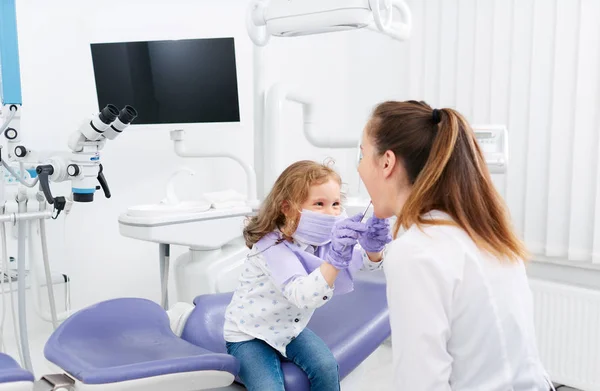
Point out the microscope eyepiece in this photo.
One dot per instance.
(126, 117)
(108, 114)
(107, 123)
(127, 114)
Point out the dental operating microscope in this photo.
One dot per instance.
(82, 166)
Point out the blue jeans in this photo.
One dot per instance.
(260, 364)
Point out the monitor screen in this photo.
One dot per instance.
(175, 81)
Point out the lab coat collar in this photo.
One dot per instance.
(437, 215)
(431, 215)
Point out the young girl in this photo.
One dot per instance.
(301, 245)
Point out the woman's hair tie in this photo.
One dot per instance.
(436, 116)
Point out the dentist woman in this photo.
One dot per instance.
(460, 305)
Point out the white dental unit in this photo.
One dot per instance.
(132, 344)
(27, 168)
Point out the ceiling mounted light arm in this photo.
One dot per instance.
(376, 9)
(285, 18)
(256, 24)
(397, 30)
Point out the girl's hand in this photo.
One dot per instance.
(345, 235)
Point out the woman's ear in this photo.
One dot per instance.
(388, 163)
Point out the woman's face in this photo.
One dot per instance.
(384, 177)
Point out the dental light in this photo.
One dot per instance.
(294, 18)
(291, 18)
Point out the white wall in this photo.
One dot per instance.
(58, 83)
(347, 73)
(532, 65)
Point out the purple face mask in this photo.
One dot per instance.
(315, 228)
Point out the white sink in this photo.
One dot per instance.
(193, 227)
(154, 210)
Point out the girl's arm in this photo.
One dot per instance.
(375, 257)
(312, 291)
(371, 261)
(308, 292)
(329, 272)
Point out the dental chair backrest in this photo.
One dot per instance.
(204, 326)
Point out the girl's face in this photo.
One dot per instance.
(324, 198)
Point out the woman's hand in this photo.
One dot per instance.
(376, 236)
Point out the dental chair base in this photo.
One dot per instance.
(199, 272)
(176, 382)
(17, 386)
(12, 376)
(213, 236)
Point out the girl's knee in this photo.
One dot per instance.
(326, 375)
(326, 365)
(329, 365)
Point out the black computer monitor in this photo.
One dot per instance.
(174, 81)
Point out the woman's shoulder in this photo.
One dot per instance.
(439, 229)
(430, 240)
(446, 244)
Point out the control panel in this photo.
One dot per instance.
(493, 140)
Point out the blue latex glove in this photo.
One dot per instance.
(377, 235)
(344, 237)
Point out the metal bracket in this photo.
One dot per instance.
(56, 382)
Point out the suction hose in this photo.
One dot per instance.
(21, 294)
(10, 287)
(34, 255)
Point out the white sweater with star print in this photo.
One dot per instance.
(263, 310)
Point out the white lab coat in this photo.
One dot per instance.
(461, 319)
